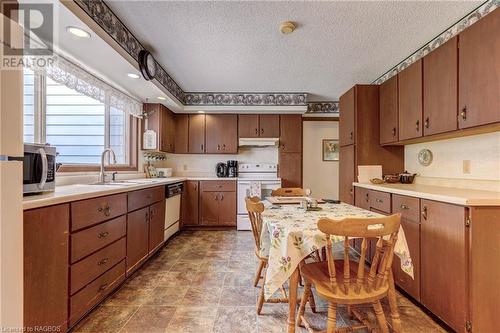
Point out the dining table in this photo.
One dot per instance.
(290, 234)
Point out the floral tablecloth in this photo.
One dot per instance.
(290, 234)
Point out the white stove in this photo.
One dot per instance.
(266, 175)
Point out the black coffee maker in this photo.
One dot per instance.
(221, 169)
(232, 168)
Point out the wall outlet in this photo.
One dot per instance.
(466, 167)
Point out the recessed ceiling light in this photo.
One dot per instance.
(200, 111)
(161, 98)
(78, 32)
(133, 75)
(287, 27)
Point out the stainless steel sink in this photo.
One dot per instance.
(116, 183)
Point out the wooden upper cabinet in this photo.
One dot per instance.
(196, 134)
(221, 135)
(479, 72)
(346, 120)
(410, 101)
(443, 262)
(440, 89)
(168, 130)
(291, 133)
(181, 140)
(160, 120)
(290, 169)
(269, 125)
(389, 128)
(46, 257)
(248, 126)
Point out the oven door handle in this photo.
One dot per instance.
(45, 168)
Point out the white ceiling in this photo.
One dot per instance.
(236, 46)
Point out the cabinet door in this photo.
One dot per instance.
(443, 262)
(410, 222)
(167, 134)
(290, 169)
(181, 140)
(269, 125)
(389, 111)
(346, 174)
(46, 252)
(196, 134)
(410, 101)
(440, 89)
(291, 133)
(221, 134)
(248, 126)
(209, 208)
(347, 114)
(227, 208)
(190, 204)
(156, 224)
(137, 237)
(362, 198)
(479, 72)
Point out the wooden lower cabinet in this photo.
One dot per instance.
(290, 169)
(46, 276)
(190, 203)
(443, 262)
(156, 225)
(217, 206)
(137, 237)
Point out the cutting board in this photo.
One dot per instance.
(289, 200)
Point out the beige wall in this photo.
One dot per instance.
(321, 177)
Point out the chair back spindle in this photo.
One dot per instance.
(255, 209)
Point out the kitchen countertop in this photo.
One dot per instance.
(68, 193)
(458, 196)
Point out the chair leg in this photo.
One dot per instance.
(331, 323)
(259, 273)
(312, 303)
(260, 301)
(303, 301)
(379, 313)
(391, 295)
(349, 311)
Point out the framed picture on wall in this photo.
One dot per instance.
(330, 150)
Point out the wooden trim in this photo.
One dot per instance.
(320, 118)
(133, 155)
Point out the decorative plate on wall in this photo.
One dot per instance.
(425, 157)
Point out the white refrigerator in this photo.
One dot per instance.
(11, 195)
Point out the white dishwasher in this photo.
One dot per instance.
(172, 209)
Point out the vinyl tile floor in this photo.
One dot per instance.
(202, 282)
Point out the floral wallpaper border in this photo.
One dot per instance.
(264, 99)
(486, 8)
(323, 107)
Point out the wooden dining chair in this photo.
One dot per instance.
(255, 209)
(368, 285)
(288, 192)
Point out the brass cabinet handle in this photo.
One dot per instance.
(417, 125)
(221, 196)
(224, 147)
(256, 131)
(216, 197)
(351, 135)
(147, 216)
(151, 214)
(426, 122)
(201, 147)
(403, 206)
(379, 200)
(102, 287)
(394, 131)
(424, 212)
(262, 131)
(103, 262)
(103, 234)
(367, 197)
(463, 113)
(218, 147)
(106, 210)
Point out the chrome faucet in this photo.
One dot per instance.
(102, 175)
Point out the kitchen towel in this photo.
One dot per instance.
(255, 189)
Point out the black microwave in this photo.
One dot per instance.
(39, 168)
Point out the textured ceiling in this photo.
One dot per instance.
(236, 46)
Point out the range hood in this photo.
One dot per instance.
(258, 142)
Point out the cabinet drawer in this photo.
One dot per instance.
(362, 198)
(218, 185)
(146, 197)
(380, 201)
(92, 211)
(91, 267)
(90, 240)
(408, 207)
(92, 294)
